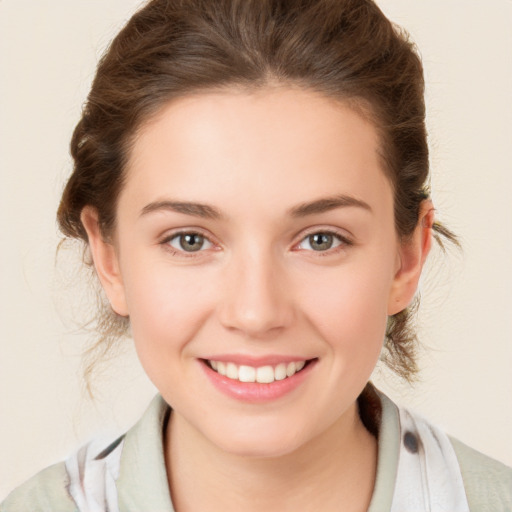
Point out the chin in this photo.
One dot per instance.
(259, 451)
(259, 442)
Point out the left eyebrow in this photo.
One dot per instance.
(326, 204)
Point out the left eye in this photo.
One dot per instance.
(189, 242)
(321, 241)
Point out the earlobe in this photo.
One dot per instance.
(105, 261)
(412, 256)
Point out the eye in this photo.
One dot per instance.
(189, 242)
(322, 241)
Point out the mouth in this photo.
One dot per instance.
(266, 374)
(257, 381)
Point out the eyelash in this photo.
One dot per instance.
(181, 253)
(344, 243)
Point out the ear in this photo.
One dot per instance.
(105, 260)
(412, 254)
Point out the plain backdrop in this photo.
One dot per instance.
(48, 51)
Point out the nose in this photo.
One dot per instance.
(257, 302)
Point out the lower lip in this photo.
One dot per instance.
(256, 391)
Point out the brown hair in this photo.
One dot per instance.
(344, 49)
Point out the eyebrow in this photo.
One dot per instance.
(204, 211)
(207, 211)
(326, 204)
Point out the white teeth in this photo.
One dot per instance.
(232, 371)
(262, 374)
(265, 374)
(247, 374)
(280, 372)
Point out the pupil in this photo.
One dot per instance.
(191, 242)
(320, 241)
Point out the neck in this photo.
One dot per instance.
(335, 468)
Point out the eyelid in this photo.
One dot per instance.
(168, 236)
(345, 240)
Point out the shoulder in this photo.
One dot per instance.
(98, 470)
(47, 490)
(488, 483)
(447, 466)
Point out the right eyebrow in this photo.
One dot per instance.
(205, 211)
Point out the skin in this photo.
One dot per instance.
(257, 287)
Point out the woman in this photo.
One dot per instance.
(251, 179)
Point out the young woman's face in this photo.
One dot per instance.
(255, 235)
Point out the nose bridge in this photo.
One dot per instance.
(256, 300)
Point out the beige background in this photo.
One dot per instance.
(48, 53)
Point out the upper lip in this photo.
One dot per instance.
(256, 361)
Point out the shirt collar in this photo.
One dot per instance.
(143, 484)
(387, 455)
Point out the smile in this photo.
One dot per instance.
(261, 374)
(259, 382)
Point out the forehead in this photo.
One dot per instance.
(261, 146)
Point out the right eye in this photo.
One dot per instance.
(188, 242)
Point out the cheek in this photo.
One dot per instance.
(349, 309)
(167, 306)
